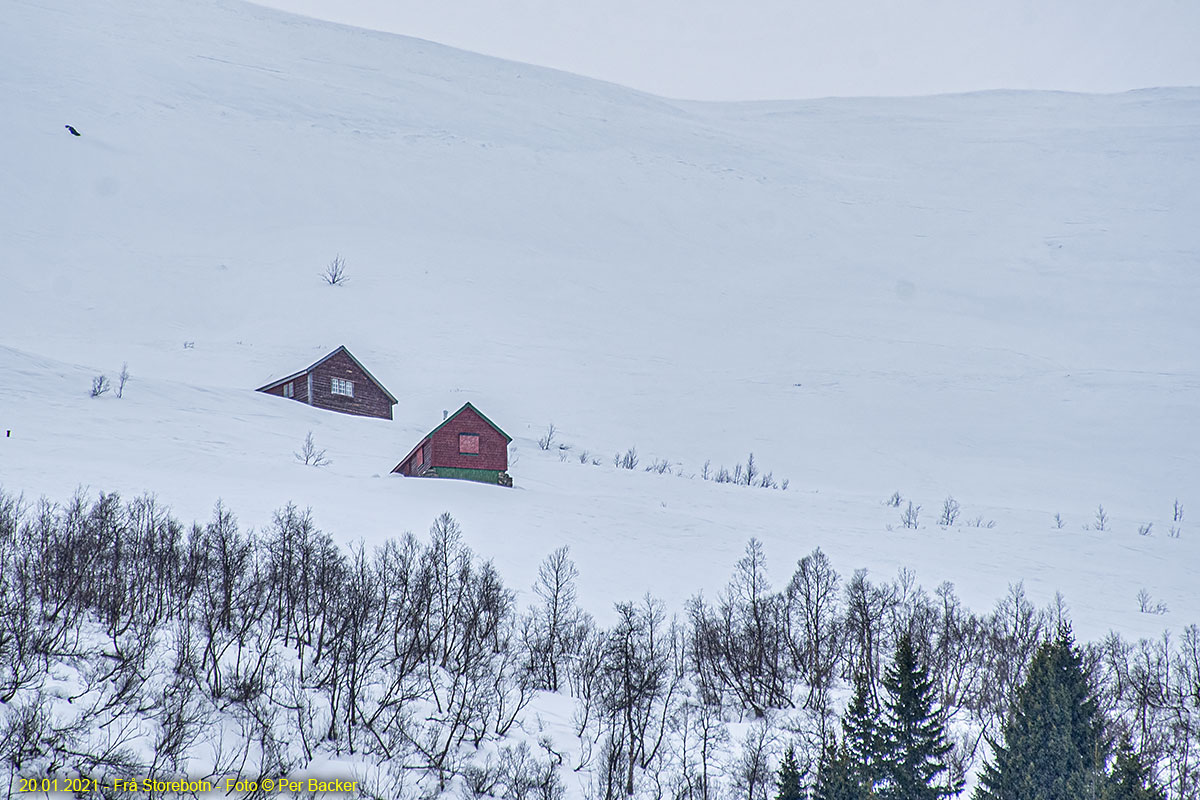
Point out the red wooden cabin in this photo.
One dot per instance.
(337, 382)
(468, 446)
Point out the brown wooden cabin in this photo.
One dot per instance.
(338, 382)
(467, 446)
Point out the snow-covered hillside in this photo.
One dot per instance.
(992, 296)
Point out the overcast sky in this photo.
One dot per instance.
(768, 49)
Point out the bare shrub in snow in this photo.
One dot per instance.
(100, 385)
(34, 739)
(660, 466)
(555, 629)
(309, 455)
(751, 471)
(868, 607)
(122, 379)
(23, 733)
(979, 522)
(641, 673)
(1059, 522)
(1101, 523)
(1174, 532)
(894, 501)
(335, 272)
(700, 746)
(950, 511)
(815, 635)
(738, 646)
(523, 776)
(748, 474)
(911, 516)
(584, 684)
(629, 460)
(480, 781)
(1144, 530)
(1177, 511)
(753, 778)
(585, 457)
(1147, 605)
(547, 439)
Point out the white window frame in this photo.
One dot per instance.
(289, 389)
(341, 386)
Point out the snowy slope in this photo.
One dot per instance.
(992, 296)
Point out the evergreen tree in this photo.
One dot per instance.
(838, 777)
(860, 734)
(788, 784)
(912, 735)
(1130, 778)
(1053, 741)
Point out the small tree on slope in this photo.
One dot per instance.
(912, 735)
(1130, 778)
(838, 776)
(788, 784)
(1054, 746)
(860, 735)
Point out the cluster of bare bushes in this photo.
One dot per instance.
(131, 643)
(741, 474)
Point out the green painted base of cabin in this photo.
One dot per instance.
(466, 474)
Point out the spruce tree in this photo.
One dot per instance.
(838, 777)
(860, 734)
(1130, 778)
(1053, 740)
(912, 735)
(788, 784)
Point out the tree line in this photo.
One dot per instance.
(131, 643)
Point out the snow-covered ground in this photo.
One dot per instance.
(994, 296)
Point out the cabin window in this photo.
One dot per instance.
(343, 387)
(468, 443)
(289, 389)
